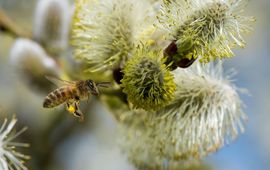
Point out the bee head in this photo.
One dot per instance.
(92, 87)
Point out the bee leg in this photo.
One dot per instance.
(69, 106)
(73, 108)
(78, 112)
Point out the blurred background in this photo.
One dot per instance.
(59, 142)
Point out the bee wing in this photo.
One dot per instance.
(104, 84)
(59, 82)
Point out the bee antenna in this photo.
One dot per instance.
(104, 84)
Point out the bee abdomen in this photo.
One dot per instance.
(55, 98)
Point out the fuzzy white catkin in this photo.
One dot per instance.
(104, 33)
(51, 24)
(29, 60)
(206, 29)
(205, 115)
(28, 55)
(9, 158)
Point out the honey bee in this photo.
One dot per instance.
(71, 93)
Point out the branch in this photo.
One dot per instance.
(8, 25)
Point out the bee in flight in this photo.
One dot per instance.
(71, 93)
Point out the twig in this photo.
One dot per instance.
(9, 26)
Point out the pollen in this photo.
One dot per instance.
(71, 109)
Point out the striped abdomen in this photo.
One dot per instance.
(59, 96)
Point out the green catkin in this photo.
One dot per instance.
(147, 81)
